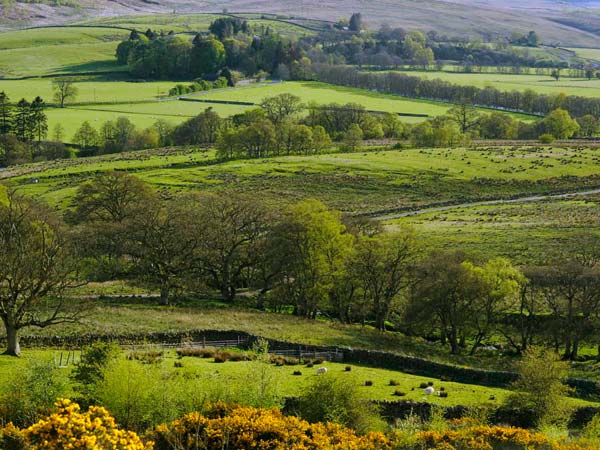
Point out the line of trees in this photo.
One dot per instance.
(303, 258)
(527, 101)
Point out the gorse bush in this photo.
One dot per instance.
(225, 426)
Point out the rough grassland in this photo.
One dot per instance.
(528, 233)
(358, 182)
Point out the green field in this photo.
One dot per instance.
(358, 182)
(288, 385)
(58, 50)
(525, 233)
(509, 82)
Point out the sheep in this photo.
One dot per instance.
(321, 370)
(429, 390)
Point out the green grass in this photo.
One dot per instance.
(509, 82)
(358, 182)
(527, 233)
(58, 50)
(286, 384)
(592, 54)
(193, 23)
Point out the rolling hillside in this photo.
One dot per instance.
(573, 26)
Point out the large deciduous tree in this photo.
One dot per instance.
(35, 268)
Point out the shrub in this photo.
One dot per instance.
(67, 427)
(31, 394)
(443, 394)
(547, 138)
(208, 352)
(297, 373)
(423, 385)
(340, 400)
(244, 428)
(368, 383)
(539, 390)
(94, 360)
(149, 357)
(398, 393)
(348, 369)
(394, 383)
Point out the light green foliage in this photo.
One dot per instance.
(540, 389)
(559, 124)
(30, 393)
(338, 398)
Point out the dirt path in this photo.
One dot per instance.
(531, 199)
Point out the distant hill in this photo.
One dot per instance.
(568, 23)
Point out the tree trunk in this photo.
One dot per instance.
(12, 338)
(164, 295)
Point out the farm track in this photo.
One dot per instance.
(441, 208)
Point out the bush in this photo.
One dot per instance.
(399, 393)
(348, 369)
(338, 399)
(208, 352)
(244, 428)
(94, 360)
(368, 383)
(31, 394)
(540, 389)
(394, 383)
(297, 373)
(547, 138)
(93, 429)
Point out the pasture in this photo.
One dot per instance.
(231, 376)
(542, 84)
(48, 51)
(526, 233)
(362, 182)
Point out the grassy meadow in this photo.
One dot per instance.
(510, 82)
(281, 379)
(48, 51)
(526, 233)
(362, 182)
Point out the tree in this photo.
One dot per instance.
(313, 245)
(540, 388)
(86, 136)
(163, 240)
(355, 24)
(207, 56)
(6, 114)
(559, 124)
(102, 210)
(353, 138)
(501, 283)
(231, 225)
(58, 132)
(381, 268)
(588, 125)
(497, 125)
(444, 296)
(35, 266)
(555, 74)
(321, 140)
(465, 115)
(202, 129)
(22, 123)
(38, 121)
(64, 89)
(281, 107)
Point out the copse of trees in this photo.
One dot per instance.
(230, 46)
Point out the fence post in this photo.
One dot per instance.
(203, 341)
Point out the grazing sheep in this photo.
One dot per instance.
(321, 370)
(429, 390)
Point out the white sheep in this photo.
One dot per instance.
(429, 390)
(321, 370)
